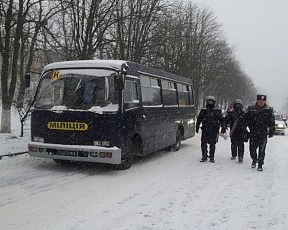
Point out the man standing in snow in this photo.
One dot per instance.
(211, 117)
(261, 122)
(236, 120)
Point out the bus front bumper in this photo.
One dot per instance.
(108, 155)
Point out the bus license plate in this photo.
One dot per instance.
(66, 153)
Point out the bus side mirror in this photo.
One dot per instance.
(119, 79)
(124, 68)
(27, 80)
(119, 82)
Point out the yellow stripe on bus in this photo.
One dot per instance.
(78, 126)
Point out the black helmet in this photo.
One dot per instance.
(238, 106)
(261, 97)
(238, 101)
(210, 102)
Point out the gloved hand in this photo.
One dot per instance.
(270, 134)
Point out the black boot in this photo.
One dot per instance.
(253, 165)
(260, 168)
(203, 159)
(260, 163)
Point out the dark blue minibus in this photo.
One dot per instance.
(109, 111)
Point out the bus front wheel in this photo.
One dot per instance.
(128, 152)
(177, 145)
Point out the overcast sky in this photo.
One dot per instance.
(258, 30)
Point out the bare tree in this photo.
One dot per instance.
(193, 45)
(21, 23)
(190, 33)
(9, 48)
(80, 30)
(133, 34)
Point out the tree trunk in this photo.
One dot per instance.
(6, 118)
(22, 127)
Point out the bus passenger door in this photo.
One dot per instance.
(131, 114)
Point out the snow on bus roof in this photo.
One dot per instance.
(86, 63)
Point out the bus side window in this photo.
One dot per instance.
(131, 99)
(191, 97)
(169, 93)
(183, 95)
(151, 91)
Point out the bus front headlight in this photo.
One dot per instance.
(101, 143)
(105, 143)
(38, 139)
(97, 143)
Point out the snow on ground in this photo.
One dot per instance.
(166, 190)
(19, 143)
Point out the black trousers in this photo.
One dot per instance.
(237, 147)
(260, 144)
(204, 149)
(208, 139)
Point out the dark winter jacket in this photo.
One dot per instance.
(211, 119)
(260, 120)
(236, 119)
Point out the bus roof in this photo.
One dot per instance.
(133, 68)
(113, 64)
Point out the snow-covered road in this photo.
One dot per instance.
(167, 190)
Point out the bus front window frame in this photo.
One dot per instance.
(79, 81)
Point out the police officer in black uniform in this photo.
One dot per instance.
(236, 120)
(211, 118)
(261, 122)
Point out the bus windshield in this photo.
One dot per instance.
(77, 89)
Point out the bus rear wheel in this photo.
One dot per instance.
(177, 145)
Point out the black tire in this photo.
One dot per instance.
(177, 145)
(128, 154)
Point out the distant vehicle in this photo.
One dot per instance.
(284, 116)
(108, 111)
(280, 125)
